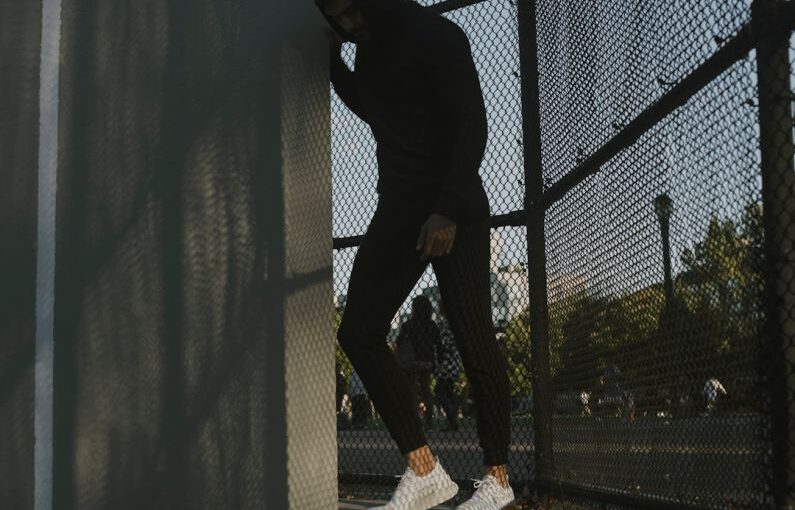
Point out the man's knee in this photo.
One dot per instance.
(347, 338)
(353, 336)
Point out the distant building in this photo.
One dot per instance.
(510, 291)
(510, 285)
(563, 285)
(510, 295)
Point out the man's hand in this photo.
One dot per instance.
(436, 237)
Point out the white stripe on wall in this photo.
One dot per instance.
(45, 252)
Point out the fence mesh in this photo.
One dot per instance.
(666, 347)
(666, 367)
(669, 270)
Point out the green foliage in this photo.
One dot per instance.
(339, 356)
(722, 289)
(711, 326)
(517, 353)
(723, 283)
(592, 332)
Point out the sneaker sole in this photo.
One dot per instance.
(505, 506)
(437, 498)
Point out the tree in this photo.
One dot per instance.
(722, 288)
(517, 354)
(339, 356)
(582, 348)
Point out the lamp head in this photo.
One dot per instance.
(663, 206)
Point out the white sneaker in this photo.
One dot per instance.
(490, 495)
(421, 492)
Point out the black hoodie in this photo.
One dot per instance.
(415, 84)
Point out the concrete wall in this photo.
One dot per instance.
(193, 353)
(20, 37)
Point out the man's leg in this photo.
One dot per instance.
(465, 287)
(385, 270)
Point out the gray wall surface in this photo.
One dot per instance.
(20, 37)
(193, 351)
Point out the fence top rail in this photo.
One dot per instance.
(511, 219)
(731, 52)
(452, 5)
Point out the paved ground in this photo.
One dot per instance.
(710, 460)
(373, 451)
(360, 504)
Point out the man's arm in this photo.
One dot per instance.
(447, 59)
(344, 82)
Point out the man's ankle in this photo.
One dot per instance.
(501, 476)
(422, 469)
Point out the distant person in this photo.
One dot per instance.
(340, 385)
(416, 85)
(419, 335)
(713, 389)
(342, 418)
(360, 403)
(585, 403)
(448, 369)
(612, 398)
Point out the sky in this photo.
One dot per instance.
(600, 63)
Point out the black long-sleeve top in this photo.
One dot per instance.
(417, 87)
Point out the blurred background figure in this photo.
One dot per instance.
(360, 403)
(448, 368)
(342, 417)
(612, 399)
(415, 351)
(713, 389)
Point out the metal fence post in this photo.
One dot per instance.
(536, 241)
(778, 200)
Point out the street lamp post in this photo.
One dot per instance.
(663, 207)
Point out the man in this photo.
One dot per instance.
(419, 336)
(416, 85)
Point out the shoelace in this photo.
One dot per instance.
(486, 483)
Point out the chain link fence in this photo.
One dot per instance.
(651, 366)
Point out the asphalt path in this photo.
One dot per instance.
(713, 461)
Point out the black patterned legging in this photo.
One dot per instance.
(386, 268)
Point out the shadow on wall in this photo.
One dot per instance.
(20, 38)
(170, 251)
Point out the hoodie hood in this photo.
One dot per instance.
(383, 16)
